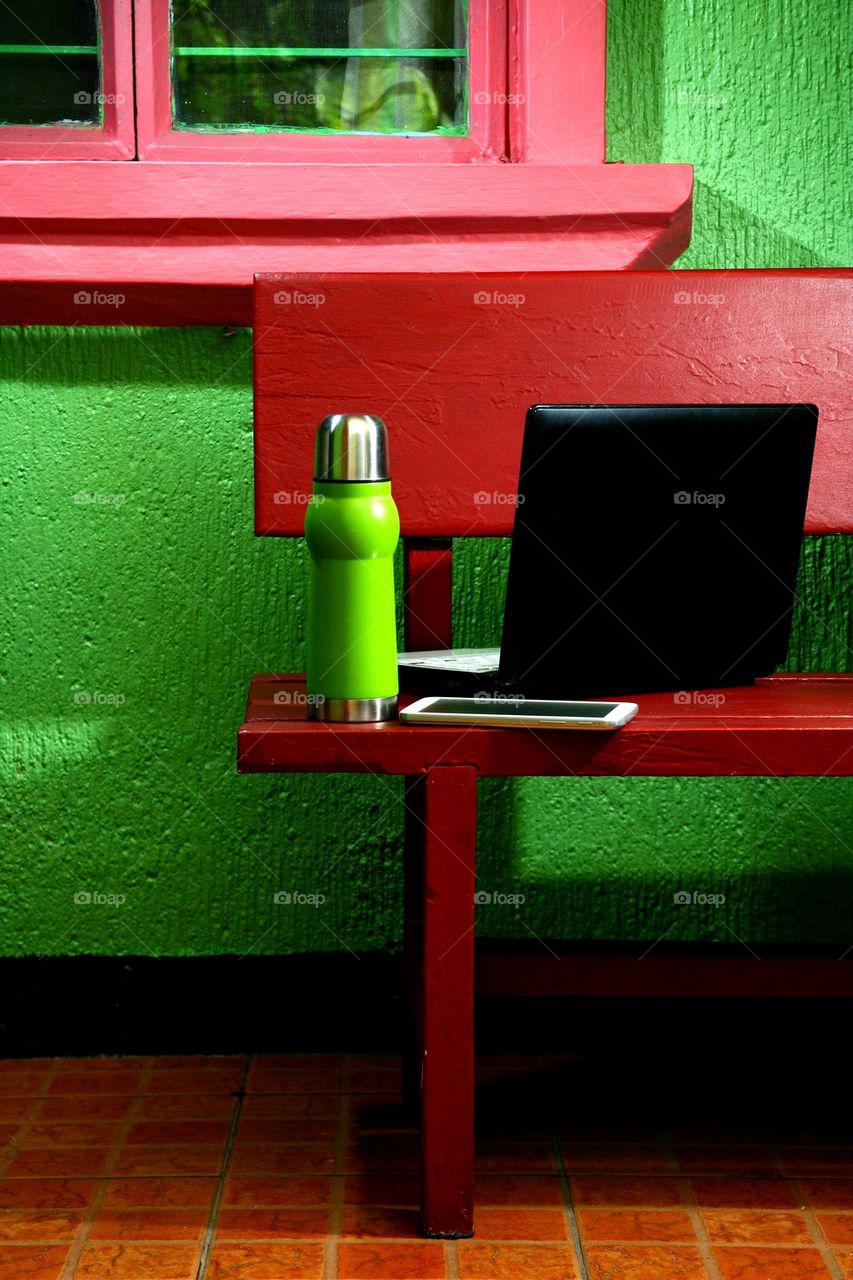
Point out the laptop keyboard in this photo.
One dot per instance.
(477, 661)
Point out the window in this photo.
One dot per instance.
(50, 64)
(367, 66)
(263, 79)
(306, 135)
(324, 81)
(66, 82)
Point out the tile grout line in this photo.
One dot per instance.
(451, 1259)
(13, 1147)
(795, 1185)
(697, 1222)
(210, 1230)
(81, 1239)
(336, 1216)
(821, 1243)
(569, 1208)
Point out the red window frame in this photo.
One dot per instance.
(180, 233)
(115, 139)
(158, 140)
(557, 76)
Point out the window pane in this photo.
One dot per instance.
(369, 66)
(49, 62)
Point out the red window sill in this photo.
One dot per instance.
(180, 243)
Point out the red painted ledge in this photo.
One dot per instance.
(180, 243)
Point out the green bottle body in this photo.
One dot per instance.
(352, 529)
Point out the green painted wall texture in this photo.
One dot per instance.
(137, 603)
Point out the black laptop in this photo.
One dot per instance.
(655, 547)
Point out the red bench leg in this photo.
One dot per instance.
(413, 880)
(447, 805)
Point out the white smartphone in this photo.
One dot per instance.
(534, 713)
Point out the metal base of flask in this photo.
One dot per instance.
(354, 710)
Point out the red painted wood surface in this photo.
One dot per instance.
(446, 810)
(118, 303)
(413, 894)
(165, 225)
(516, 971)
(451, 362)
(115, 140)
(558, 54)
(486, 139)
(427, 593)
(783, 725)
(529, 203)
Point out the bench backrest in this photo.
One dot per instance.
(451, 363)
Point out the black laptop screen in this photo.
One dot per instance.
(655, 546)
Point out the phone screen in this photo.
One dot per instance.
(522, 707)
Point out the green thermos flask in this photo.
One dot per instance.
(352, 530)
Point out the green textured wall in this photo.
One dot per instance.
(137, 603)
(756, 95)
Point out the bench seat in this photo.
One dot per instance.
(784, 725)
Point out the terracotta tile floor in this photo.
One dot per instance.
(302, 1168)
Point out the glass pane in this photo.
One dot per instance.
(367, 66)
(49, 62)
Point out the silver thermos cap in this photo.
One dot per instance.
(351, 446)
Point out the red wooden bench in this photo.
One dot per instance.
(451, 363)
